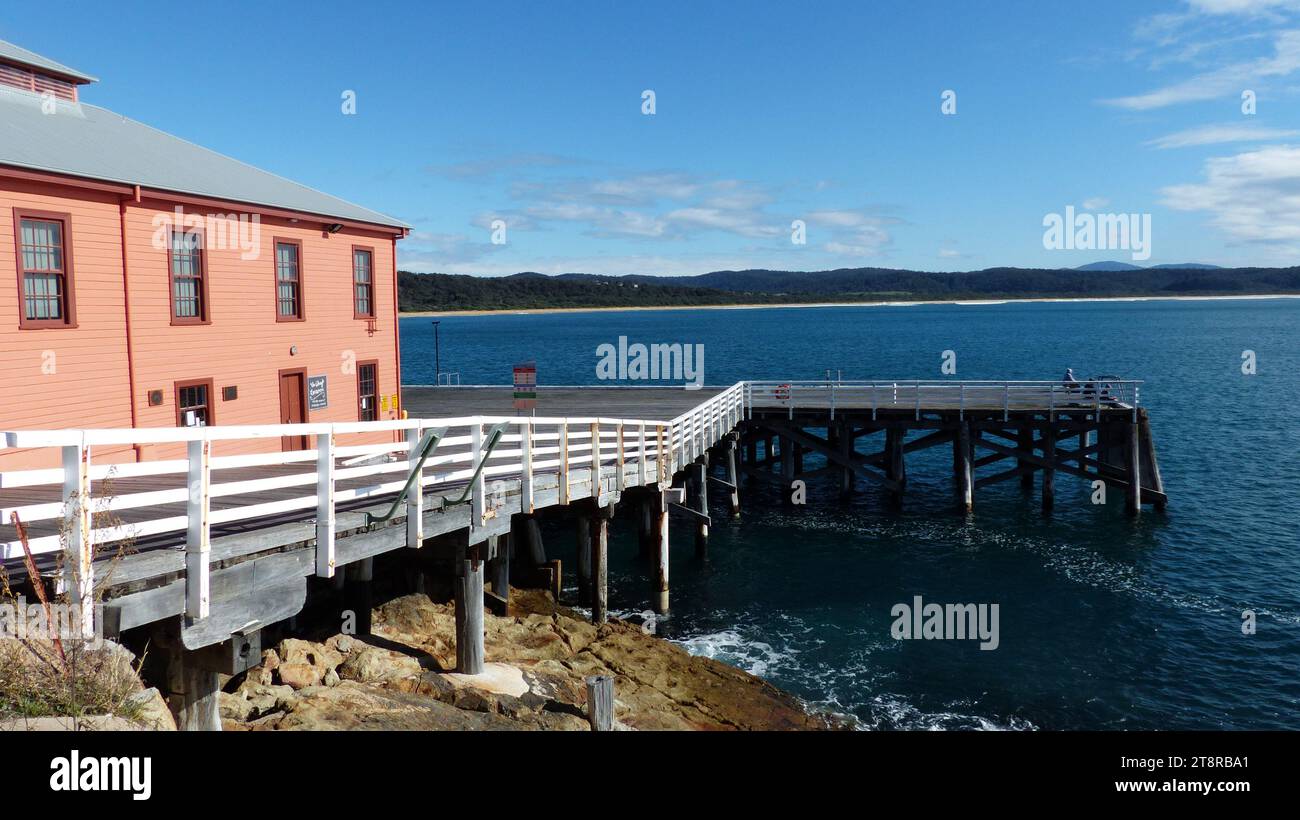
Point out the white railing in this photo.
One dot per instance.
(651, 451)
(921, 396)
(528, 447)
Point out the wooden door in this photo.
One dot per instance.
(293, 407)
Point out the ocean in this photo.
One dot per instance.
(1105, 622)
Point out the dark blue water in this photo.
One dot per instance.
(1105, 622)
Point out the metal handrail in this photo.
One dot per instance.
(494, 436)
(428, 443)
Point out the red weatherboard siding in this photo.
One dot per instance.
(90, 371)
(242, 346)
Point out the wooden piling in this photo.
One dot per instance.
(600, 702)
(599, 526)
(194, 697)
(1153, 465)
(527, 548)
(644, 525)
(498, 568)
(469, 612)
(359, 592)
(1049, 473)
(698, 487)
(733, 476)
(787, 464)
(1133, 472)
(583, 526)
(660, 541)
(846, 444)
(1025, 443)
(896, 466)
(965, 474)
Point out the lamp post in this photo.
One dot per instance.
(437, 357)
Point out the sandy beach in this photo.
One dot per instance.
(753, 306)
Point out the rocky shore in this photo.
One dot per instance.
(400, 677)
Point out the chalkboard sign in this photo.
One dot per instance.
(318, 397)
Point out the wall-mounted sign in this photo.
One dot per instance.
(318, 397)
(525, 378)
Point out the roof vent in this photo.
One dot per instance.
(28, 71)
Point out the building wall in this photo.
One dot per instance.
(242, 345)
(65, 377)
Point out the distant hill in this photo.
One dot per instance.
(1109, 266)
(435, 291)
(1114, 266)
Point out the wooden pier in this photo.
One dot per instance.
(224, 546)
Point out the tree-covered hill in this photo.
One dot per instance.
(434, 291)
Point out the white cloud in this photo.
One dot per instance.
(1218, 134)
(853, 233)
(1247, 7)
(1228, 80)
(1252, 197)
(1095, 203)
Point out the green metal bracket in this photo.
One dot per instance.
(493, 438)
(428, 443)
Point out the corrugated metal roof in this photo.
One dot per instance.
(88, 141)
(18, 54)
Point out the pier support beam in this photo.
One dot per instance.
(358, 592)
(190, 686)
(1132, 469)
(599, 528)
(844, 438)
(659, 533)
(787, 464)
(469, 611)
(895, 466)
(1153, 465)
(583, 526)
(194, 693)
(498, 568)
(1049, 473)
(963, 472)
(733, 475)
(1025, 443)
(644, 525)
(531, 535)
(698, 490)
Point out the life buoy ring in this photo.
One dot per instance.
(782, 392)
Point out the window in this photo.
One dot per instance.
(44, 270)
(363, 283)
(189, 280)
(194, 403)
(368, 391)
(288, 280)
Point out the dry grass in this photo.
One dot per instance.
(62, 675)
(35, 683)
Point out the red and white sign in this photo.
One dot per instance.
(525, 379)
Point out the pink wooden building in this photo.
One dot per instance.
(154, 282)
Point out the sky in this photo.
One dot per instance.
(926, 135)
